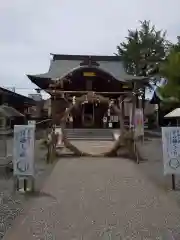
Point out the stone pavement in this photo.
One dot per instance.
(98, 198)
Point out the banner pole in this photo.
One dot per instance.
(173, 182)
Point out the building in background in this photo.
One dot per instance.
(35, 96)
(36, 111)
(19, 102)
(14, 109)
(9, 117)
(47, 107)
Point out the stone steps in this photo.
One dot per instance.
(89, 134)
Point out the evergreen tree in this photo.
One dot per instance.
(143, 50)
(170, 69)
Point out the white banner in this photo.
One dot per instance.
(139, 122)
(130, 116)
(59, 132)
(171, 149)
(32, 122)
(23, 150)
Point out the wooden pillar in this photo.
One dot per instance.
(140, 102)
(123, 107)
(53, 109)
(137, 101)
(159, 123)
(143, 99)
(133, 109)
(52, 144)
(134, 101)
(121, 116)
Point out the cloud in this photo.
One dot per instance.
(31, 29)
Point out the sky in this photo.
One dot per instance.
(32, 29)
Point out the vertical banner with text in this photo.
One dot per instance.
(23, 150)
(171, 149)
(139, 122)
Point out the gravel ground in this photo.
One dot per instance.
(12, 204)
(151, 169)
(99, 198)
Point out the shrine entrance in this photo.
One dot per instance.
(88, 115)
(124, 145)
(90, 93)
(92, 115)
(91, 105)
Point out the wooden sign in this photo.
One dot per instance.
(125, 86)
(89, 74)
(23, 150)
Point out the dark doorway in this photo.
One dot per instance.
(88, 115)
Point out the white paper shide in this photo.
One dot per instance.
(23, 150)
(32, 122)
(171, 149)
(58, 131)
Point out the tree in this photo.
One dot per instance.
(176, 46)
(170, 69)
(143, 49)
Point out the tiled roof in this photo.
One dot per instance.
(61, 65)
(8, 111)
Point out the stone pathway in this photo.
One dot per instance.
(98, 198)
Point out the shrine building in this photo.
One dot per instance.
(71, 76)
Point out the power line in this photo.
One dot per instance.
(19, 88)
(14, 89)
(25, 90)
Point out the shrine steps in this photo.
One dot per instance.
(89, 134)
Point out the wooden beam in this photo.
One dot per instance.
(57, 92)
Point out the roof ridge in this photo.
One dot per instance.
(85, 56)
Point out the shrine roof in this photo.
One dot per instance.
(62, 64)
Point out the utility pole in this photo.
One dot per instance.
(13, 89)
